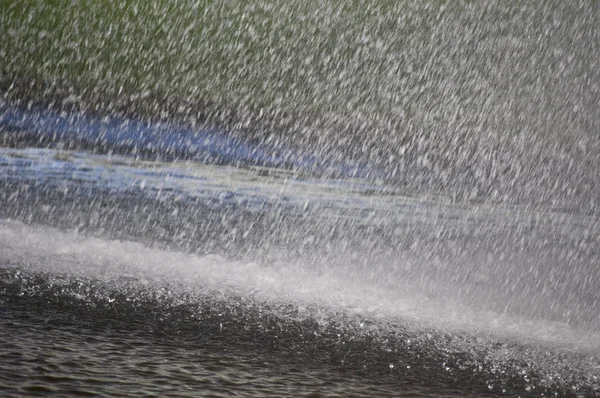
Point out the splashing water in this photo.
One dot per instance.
(370, 198)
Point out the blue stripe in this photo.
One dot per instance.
(166, 140)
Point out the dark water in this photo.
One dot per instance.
(59, 347)
(131, 276)
(80, 355)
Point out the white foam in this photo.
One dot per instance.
(45, 249)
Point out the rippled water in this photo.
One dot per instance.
(84, 352)
(131, 276)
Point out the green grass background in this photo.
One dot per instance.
(311, 55)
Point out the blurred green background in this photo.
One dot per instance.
(494, 99)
